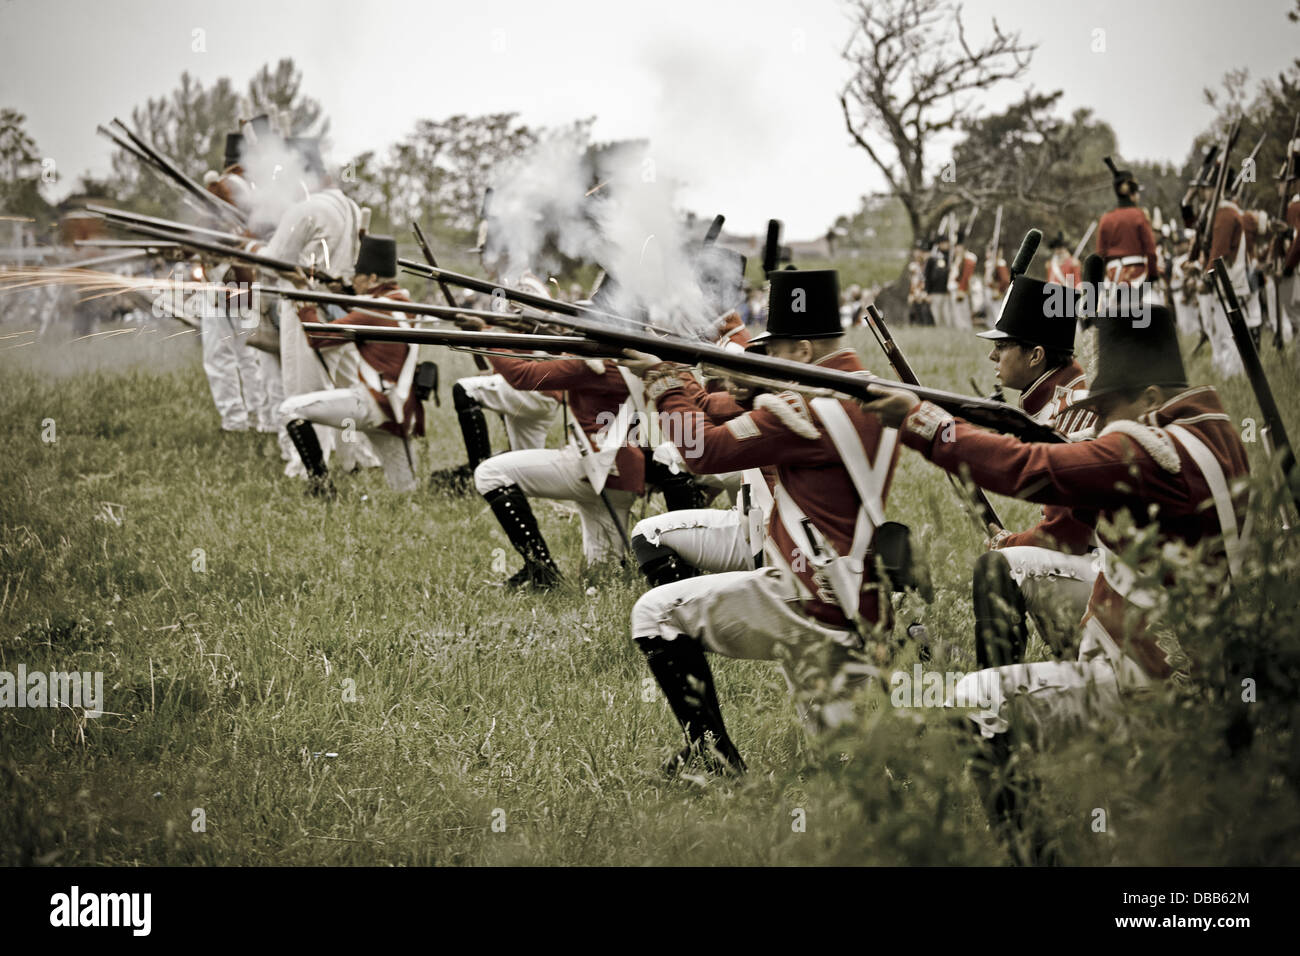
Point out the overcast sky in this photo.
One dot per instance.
(739, 97)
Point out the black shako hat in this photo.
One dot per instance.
(1058, 241)
(1037, 312)
(802, 304)
(1133, 353)
(234, 146)
(377, 256)
(1120, 176)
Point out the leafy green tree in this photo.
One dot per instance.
(20, 170)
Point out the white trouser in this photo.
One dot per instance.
(755, 615)
(231, 370)
(1187, 315)
(352, 410)
(941, 309)
(302, 372)
(959, 309)
(527, 415)
(1051, 699)
(706, 538)
(1288, 298)
(1056, 587)
(1226, 360)
(558, 473)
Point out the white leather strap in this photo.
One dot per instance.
(1218, 483)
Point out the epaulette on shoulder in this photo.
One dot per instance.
(597, 366)
(1156, 442)
(791, 411)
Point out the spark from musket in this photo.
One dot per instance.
(91, 335)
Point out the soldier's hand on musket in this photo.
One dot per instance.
(471, 323)
(997, 535)
(638, 363)
(892, 405)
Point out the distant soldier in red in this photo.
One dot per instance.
(960, 275)
(1062, 268)
(1125, 240)
(1288, 284)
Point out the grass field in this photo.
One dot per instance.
(289, 681)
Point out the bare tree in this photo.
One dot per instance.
(916, 76)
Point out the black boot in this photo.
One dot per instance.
(511, 507)
(660, 565)
(473, 426)
(685, 678)
(1001, 624)
(680, 490)
(478, 445)
(1008, 793)
(303, 435)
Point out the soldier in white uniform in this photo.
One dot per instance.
(321, 232)
(232, 368)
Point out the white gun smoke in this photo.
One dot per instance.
(617, 208)
(279, 179)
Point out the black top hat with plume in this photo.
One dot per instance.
(377, 256)
(1057, 241)
(803, 304)
(1035, 311)
(1119, 177)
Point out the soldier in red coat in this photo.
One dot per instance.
(373, 381)
(1166, 456)
(1045, 572)
(1062, 268)
(1288, 286)
(601, 470)
(817, 600)
(1125, 240)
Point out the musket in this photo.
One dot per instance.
(126, 147)
(427, 251)
(451, 337)
(126, 244)
(1290, 173)
(232, 252)
(1274, 428)
(814, 379)
(991, 264)
(1205, 221)
(125, 216)
(1246, 163)
(983, 513)
(214, 203)
(1078, 250)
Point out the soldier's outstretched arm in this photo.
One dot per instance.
(1103, 473)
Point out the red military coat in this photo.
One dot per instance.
(784, 431)
(1134, 467)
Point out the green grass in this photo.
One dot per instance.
(373, 628)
